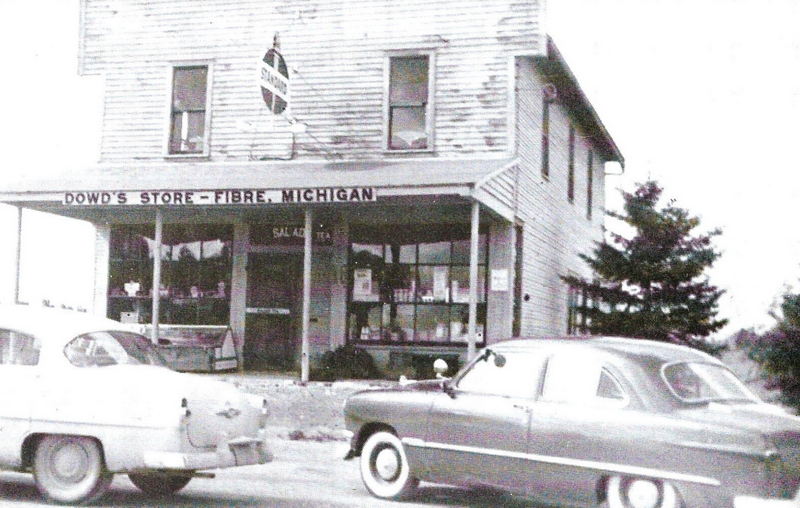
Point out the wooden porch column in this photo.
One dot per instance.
(17, 257)
(308, 235)
(473, 279)
(157, 275)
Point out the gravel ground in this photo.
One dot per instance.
(302, 412)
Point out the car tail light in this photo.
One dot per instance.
(185, 412)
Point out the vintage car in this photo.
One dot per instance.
(84, 398)
(614, 422)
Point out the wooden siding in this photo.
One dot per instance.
(555, 230)
(335, 51)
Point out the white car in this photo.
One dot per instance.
(84, 398)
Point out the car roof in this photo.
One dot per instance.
(639, 350)
(51, 322)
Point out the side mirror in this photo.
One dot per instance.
(440, 367)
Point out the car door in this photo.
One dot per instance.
(477, 431)
(579, 424)
(19, 356)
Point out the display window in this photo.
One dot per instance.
(411, 285)
(195, 274)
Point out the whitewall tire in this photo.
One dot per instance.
(628, 492)
(384, 467)
(70, 469)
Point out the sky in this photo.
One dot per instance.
(700, 95)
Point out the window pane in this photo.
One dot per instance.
(433, 323)
(434, 252)
(433, 284)
(186, 135)
(409, 80)
(571, 378)
(608, 388)
(189, 89)
(400, 283)
(365, 322)
(396, 253)
(407, 128)
(398, 323)
(518, 377)
(461, 250)
(459, 323)
(459, 284)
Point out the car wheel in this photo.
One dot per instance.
(159, 484)
(70, 469)
(629, 492)
(384, 467)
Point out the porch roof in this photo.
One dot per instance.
(203, 175)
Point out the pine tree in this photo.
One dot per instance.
(651, 284)
(778, 351)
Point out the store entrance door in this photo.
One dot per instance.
(271, 327)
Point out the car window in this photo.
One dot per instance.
(516, 375)
(18, 348)
(101, 349)
(700, 382)
(575, 378)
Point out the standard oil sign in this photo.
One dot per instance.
(222, 196)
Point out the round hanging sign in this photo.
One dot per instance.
(274, 80)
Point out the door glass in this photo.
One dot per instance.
(581, 379)
(518, 376)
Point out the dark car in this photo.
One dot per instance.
(581, 422)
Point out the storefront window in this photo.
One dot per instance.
(411, 285)
(195, 274)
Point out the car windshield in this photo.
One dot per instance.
(101, 349)
(705, 382)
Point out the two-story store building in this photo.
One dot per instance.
(441, 154)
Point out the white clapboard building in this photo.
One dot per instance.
(440, 154)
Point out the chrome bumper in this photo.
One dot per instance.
(241, 451)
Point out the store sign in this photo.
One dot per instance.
(283, 234)
(274, 81)
(222, 197)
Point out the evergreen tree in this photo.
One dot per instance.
(650, 284)
(778, 352)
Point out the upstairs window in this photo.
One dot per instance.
(589, 183)
(188, 134)
(571, 165)
(408, 108)
(546, 137)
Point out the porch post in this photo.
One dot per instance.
(308, 235)
(473, 279)
(157, 275)
(17, 256)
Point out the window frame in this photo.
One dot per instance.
(589, 183)
(429, 105)
(170, 76)
(416, 303)
(545, 148)
(571, 165)
(594, 401)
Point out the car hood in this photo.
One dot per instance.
(430, 385)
